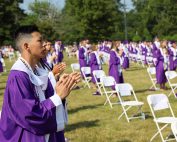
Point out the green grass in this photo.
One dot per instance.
(91, 121)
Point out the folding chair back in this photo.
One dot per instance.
(108, 82)
(86, 71)
(75, 67)
(158, 102)
(171, 75)
(126, 89)
(152, 72)
(98, 74)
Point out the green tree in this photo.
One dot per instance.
(46, 16)
(156, 18)
(92, 19)
(10, 15)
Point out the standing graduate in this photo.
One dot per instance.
(59, 47)
(161, 55)
(115, 62)
(95, 64)
(125, 64)
(32, 109)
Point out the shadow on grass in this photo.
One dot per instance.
(141, 91)
(135, 69)
(124, 141)
(83, 108)
(84, 124)
(148, 115)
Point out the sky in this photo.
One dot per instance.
(61, 3)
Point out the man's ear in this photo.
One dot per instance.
(26, 46)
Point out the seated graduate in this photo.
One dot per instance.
(32, 109)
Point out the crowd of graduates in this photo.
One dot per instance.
(118, 55)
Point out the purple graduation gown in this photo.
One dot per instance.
(93, 65)
(160, 72)
(1, 67)
(24, 118)
(82, 58)
(125, 64)
(114, 62)
(60, 54)
(172, 65)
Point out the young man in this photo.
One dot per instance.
(32, 110)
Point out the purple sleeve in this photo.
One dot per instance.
(26, 110)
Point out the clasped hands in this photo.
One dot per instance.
(66, 83)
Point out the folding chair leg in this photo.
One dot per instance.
(99, 88)
(159, 132)
(108, 100)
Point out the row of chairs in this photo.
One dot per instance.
(141, 59)
(157, 102)
(104, 84)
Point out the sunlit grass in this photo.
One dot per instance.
(91, 121)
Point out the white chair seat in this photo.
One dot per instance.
(166, 120)
(132, 103)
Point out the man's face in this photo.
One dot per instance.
(35, 46)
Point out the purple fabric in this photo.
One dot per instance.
(82, 58)
(1, 67)
(114, 62)
(160, 72)
(60, 54)
(24, 118)
(172, 62)
(154, 48)
(93, 65)
(125, 64)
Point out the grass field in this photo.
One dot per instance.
(91, 121)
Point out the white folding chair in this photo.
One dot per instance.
(75, 67)
(152, 72)
(86, 71)
(126, 90)
(149, 60)
(160, 102)
(98, 74)
(174, 129)
(108, 82)
(170, 75)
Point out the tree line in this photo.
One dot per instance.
(95, 20)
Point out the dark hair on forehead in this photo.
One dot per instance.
(28, 29)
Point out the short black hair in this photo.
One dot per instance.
(24, 32)
(27, 29)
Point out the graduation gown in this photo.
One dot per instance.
(27, 116)
(160, 71)
(94, 63)
(115, 67)
(125, 64)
